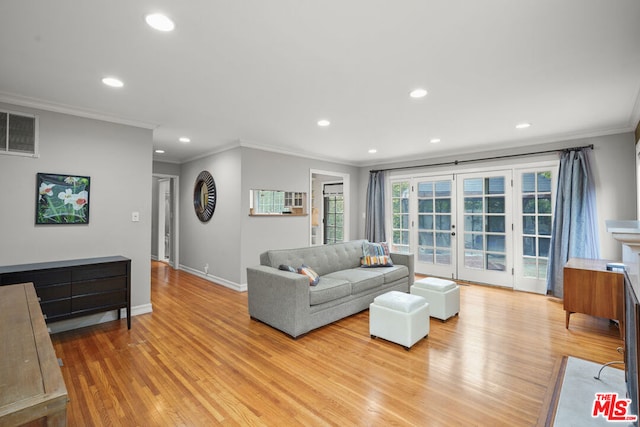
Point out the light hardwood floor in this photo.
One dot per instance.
(199, 360)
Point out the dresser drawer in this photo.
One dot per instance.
(96, 301)
(39, 277)
(53, 309)
(98, 286)
(48, 293)
(98, 271)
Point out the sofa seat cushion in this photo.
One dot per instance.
(361, 279)
(328, 289)
(391, 274)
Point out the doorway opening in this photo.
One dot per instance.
(329, 207)
(164, 224)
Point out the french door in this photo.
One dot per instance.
(424, 223)
(484, 211)
(491, 227)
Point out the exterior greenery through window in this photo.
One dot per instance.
(400, 219)
(333, 218)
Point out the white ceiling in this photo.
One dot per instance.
(262, 73)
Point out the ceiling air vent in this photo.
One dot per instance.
(18, 134)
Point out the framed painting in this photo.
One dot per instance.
(62, 199)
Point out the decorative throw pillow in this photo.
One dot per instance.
(376, 261)
(285, 267)
(314, 278)
(375, 249)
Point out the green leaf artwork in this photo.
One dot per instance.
(62, 199)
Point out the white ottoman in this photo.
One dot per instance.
(399, 317)
(442, 295)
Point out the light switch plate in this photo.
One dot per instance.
(135, 216)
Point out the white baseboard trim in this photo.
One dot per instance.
(95, 319)
(215, 279)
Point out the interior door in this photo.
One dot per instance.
(433, 227)
(485, 254)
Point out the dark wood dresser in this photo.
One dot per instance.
(74, 288)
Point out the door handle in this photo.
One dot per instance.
(453, 233)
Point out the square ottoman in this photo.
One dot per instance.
(399, 317)
(442, 295)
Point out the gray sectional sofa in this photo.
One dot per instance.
(286, 301)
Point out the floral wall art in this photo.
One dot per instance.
(62, 199)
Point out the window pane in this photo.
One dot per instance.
(425, 206)
(405, 237)
(496, 243)
(405, 205)
(528, 183)
(473, 241)
(544, 182)
(472, 187)
(405, 221)
(443, 205)
(397, 236)
(528, 204)
(530, 267)
(495, 224)
(544, 204)
(473, 223)
(443, 240)
(425, 255)
(473, 259)
(425, 239)
(425, 189)
(425, 222)
(496, 262)
(443, 222)
(473, 204)
(400, 189)
(544, 225)
(443, 256)
(494, 185)
(331, 220)
(3, 131)
(339, 220)
(495, 204)
(542, 268)
(529, 246)
(529, 224)
(443, 188)
(543, 246)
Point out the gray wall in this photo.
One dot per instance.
(232, 240)
(118, 159)
(613, 166)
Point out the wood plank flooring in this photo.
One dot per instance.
(199, 360)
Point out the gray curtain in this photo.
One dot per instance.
(575, 224)
(374, 224)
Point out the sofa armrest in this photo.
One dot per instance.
(278, 298)
(405, 259)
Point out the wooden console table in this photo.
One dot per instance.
(32, 390)
(75, 288)
(589, 288)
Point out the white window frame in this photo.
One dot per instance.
(5, 149)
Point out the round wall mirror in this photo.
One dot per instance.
(204, 196)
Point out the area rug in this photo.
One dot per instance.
(577, 394)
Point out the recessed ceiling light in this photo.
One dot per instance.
(418, 93)
(184, 139)
(160, 151)
(373, 151)
(159, 22)
(112, 81)
(523, 125)
(324, 123)
(434, 140)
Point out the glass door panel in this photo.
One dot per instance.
(486, 220)
(435, 229)
(400, 221)
(534, 211)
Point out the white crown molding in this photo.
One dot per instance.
(40, 104)
(304, 155)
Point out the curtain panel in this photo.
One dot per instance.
(575, 224)
(375, 222)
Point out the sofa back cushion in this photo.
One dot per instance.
(322, 259)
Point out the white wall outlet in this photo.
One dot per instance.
(206, 269)
(135, 216)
